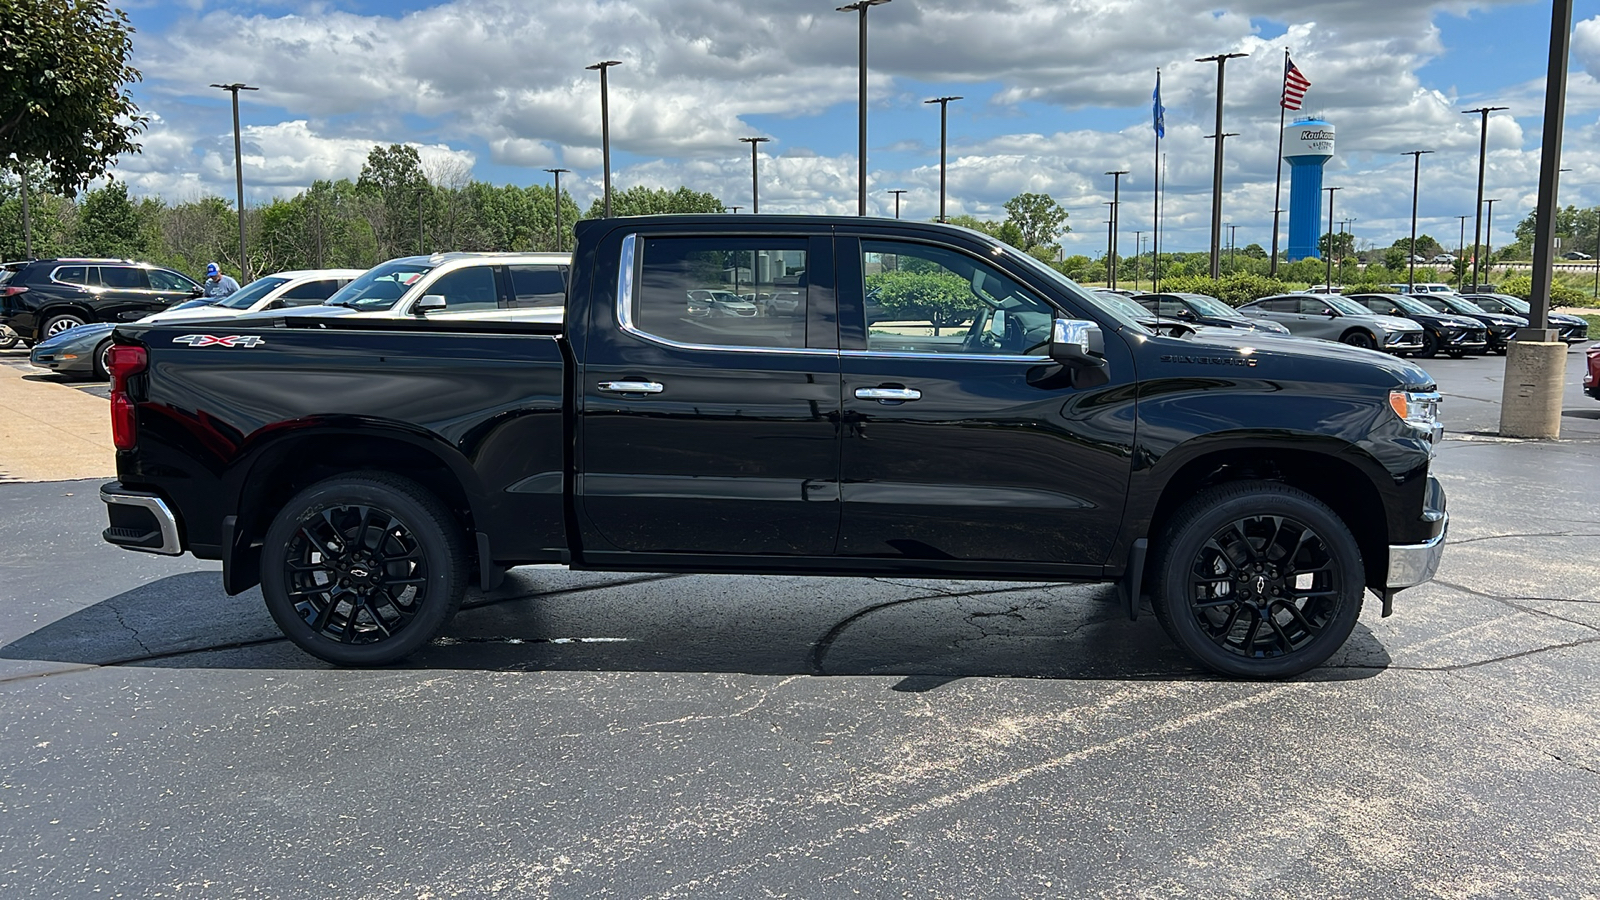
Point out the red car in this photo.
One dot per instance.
(1591, 375)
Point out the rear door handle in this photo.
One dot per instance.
(632, 387)
(888, 395)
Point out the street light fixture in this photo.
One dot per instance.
(944, 107)
(897, 192)
(605, 125)
(861, 6)
(560, 239)
(1328, 279)
(1221, 60)
(1483, 149)
(1416, 176)
(732, 209)
(1116, 209)
(755, 188)
(238, 170)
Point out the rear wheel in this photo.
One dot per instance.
(1258, 580)
(57, 324)
(1359, 338)
(362, 570)
(8, 338)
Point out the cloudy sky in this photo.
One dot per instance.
(1056, 93)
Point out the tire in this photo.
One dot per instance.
(366, 603)
(1359, 338)
(1455, 354)
(8, 338)
(1430, 345)
(102, 360)
(1257, 579)
(59, 323)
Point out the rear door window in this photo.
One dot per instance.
(162, 280)
(311, 292)
(534, 286)
(124, 278)
(732, 291)
(72, 275)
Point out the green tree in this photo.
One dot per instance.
(644, 201)
(110, 224)
(1005, 232)
(1344, 244)
(1254, 251)
(1038, 218)
(940, 298)
(63, 97)
(391, 190)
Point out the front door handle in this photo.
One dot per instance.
(632, 387)
(888, 394)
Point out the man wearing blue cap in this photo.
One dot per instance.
(218, 285)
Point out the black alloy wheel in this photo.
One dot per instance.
(362, 570)
(1258, 580)
(1362, 339)
(1430, 345)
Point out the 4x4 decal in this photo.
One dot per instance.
(233, 340)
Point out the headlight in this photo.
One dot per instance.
(1419, 409)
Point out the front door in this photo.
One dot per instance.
(712, 426)
(962, 440)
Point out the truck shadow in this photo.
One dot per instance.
(547, 618)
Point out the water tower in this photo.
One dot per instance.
(1307, 147)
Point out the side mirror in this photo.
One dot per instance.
(197, 292)
(1331, 313)
(1077, 343)
(429, 303)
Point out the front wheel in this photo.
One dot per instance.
(362, 570)
(1359, 338)
(1258, 580)
(102, 360)
(1430, 345)
(8, 338)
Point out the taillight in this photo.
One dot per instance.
(125, 362)
(13, 291)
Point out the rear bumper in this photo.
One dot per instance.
(1414, 564)
(140, 520)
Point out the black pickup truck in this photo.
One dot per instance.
(783, 395)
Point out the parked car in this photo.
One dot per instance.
(1203, 310)
(702, 302)
(1323, 289)
(280, 290)
(1500, 327)
(1456, 336)
(1336, 318)
(1443, 259)
(1422, 287)
(1576, 254)
(1255, 487)
(1591, 374)
(44, 297)
(1572, 329)
(501, 287)
(81, 352)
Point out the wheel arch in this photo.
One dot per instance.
(284, 464)
(1377, 339)
(1336, 473)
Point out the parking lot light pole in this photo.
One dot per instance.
(1116, 210)
(1461, 250)
(1483, 150)
(1111, 235)
(238, 171)
(1488, 233)
(560, 240)
(897, 192)
(1327, 282)
(1221, 60)
(944, 107)
(861, 6)
(1416, 175)
(605, 126)
(755, 186)
(1138, 251)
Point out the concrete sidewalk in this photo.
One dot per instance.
(50, 431)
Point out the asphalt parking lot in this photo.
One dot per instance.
(583, 735)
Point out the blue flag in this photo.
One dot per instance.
(1157, 111)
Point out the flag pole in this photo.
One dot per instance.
(1277, 191)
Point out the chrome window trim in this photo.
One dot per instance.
(976, 357)
(630, 260)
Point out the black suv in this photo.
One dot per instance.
(41, 298)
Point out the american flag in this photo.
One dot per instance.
(1294, 85)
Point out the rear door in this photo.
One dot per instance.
(963, 442)
(125, 294)
(170, 287)
(309, 293)
(704, 433)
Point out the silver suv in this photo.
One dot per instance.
(1336, 318)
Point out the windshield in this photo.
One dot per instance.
(1346, 305)
(1463, 305)
(380, 287)
(245, 297)
(1117, 312)
(1211, 306)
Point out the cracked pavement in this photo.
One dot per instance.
(625, 735)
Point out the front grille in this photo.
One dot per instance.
(1405, 339)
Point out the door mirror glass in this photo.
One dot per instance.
(429, 303)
